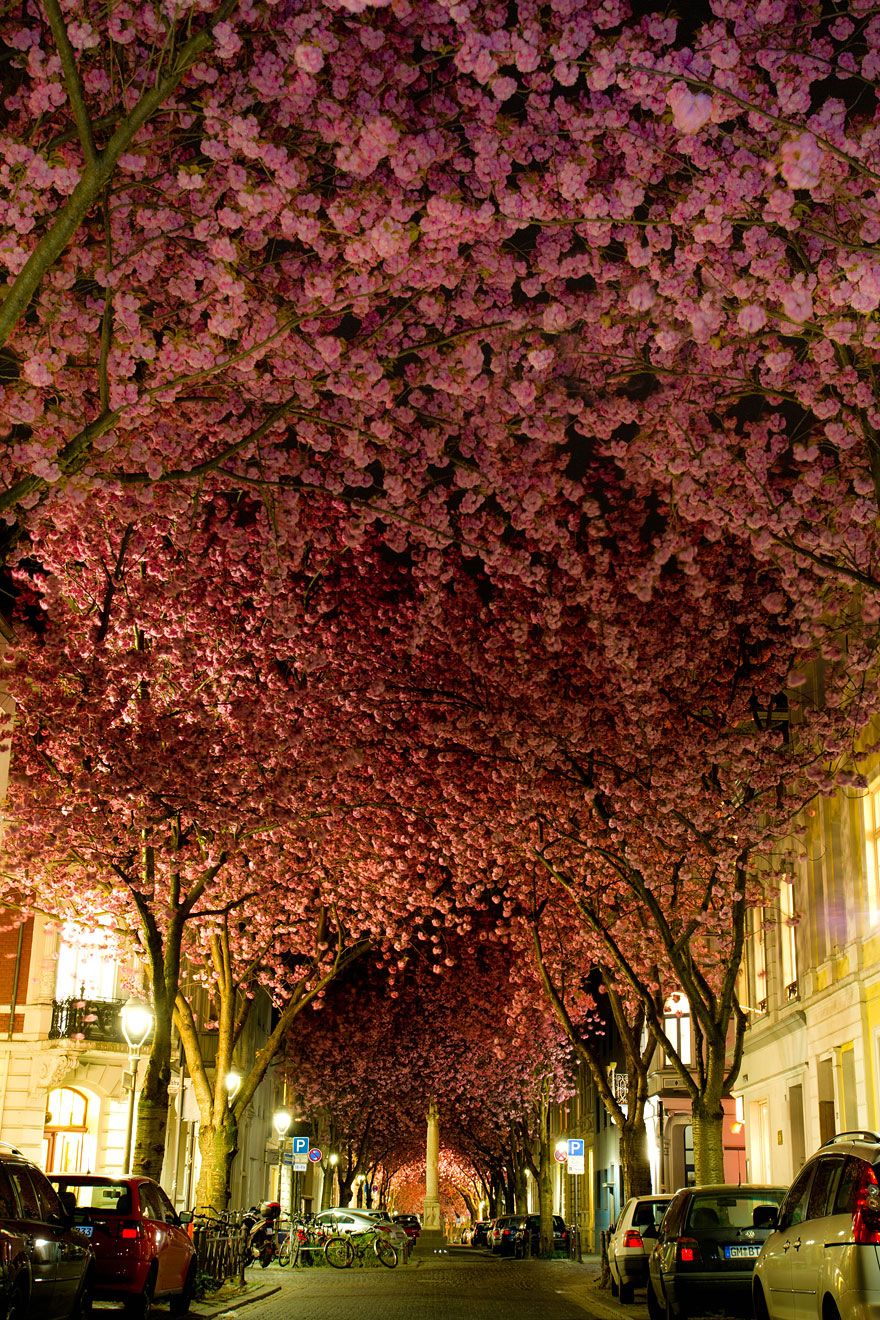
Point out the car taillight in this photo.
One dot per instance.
(688, 1251)
(632, 1238)
(130, 1232)
(866, 1216)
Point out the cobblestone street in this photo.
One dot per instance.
(455, 1287)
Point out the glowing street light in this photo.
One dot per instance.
(232, 1082)
(136, 1020)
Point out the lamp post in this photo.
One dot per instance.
(136, 1020)
(281, 1121)
(232, 1082)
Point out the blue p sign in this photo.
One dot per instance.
(575, 1147)
(300, 1145)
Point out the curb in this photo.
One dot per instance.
(203, 1310)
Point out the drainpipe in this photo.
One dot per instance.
(13, 1004)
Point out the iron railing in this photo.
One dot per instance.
(220, 1250)
(87, 1019)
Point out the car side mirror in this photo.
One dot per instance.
(765, 1216)
(68, 1203)
(185, 1217)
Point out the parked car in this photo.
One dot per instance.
(480, 1229)
(502, 1237)
(628, 1248)
(528, 1236)
(411, 1225)
(343, 1219)
(142, 1250)
(706, 1248)
(46, 1266)
(822, 1257)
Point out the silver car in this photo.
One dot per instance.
(627, 1249)
(344, 1219)
(822, 1261)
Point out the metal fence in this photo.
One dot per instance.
(220, 1250)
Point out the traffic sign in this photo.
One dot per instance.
(575, 1147)
(287, 1157)
(560, 1155)
(300, 1168)
(315, 1155)
(301, 1145)
(575, 1164)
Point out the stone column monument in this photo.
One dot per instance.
(432, 1231)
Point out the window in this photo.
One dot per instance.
(86, 966)
(787, 940)
(871, 804)
(825, 1185)
(27, 1197)
(677, 1026)
(794, 1207)
(67, 1147)
(758, 979)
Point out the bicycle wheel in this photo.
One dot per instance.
(338, 1252)
(284, 1252)
(387, 1253)
(294, 1250)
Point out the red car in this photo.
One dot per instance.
(142, 1252)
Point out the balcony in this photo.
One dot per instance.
(87, 1019)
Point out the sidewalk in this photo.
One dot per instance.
(229, 1298)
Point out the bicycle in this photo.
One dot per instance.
(342, 1251)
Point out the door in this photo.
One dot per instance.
(776, 1264)
(72, 1252)
(809, 1257)
(178, 1245)
(42, 1247)
(159, 1233)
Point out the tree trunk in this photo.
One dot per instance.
(148, 1155)
(634, 1155)
(708, 1125)
(218, 1147)
(545, 1187)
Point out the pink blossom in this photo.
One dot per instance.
(690, 110)
(309, 58)
(751, 318)
(801, 161)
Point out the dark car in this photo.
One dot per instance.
(706, 1247)
(502, 1238)
(141, 1249)
(411, 1224)
(478, 1236)
(529, 1236)
(45, 1264)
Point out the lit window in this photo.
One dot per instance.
(86, 967)
(677, 1026)
(871, 804)
(787, 940)
(758, 987)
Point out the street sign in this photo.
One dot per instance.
(315, 1155)
(299, 1168)
(286, 1157)
(575, 1147)
(301, 1145)
(575, 1164)
(560, 1155)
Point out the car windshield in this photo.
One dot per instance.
(729, 1210)
(103, 1196)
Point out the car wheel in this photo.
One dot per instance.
(179, 1306)
(626, 1292)
(612, 1282)
(17, 1307)
(655, 1310)
(759, 1303)
(673, 1313)
(139, 1308)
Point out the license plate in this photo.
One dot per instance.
(737, 1253)
(85, 1229)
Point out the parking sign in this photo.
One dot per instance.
(575, 1147)
(301, 1145)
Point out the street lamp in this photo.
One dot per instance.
(232, 1082)
(281, 1121)
(136, 1020)
(334, 1160)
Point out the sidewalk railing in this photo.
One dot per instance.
(220, 1250)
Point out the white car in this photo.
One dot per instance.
(822, 1260)
(344, 1219)
(627, 1251)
